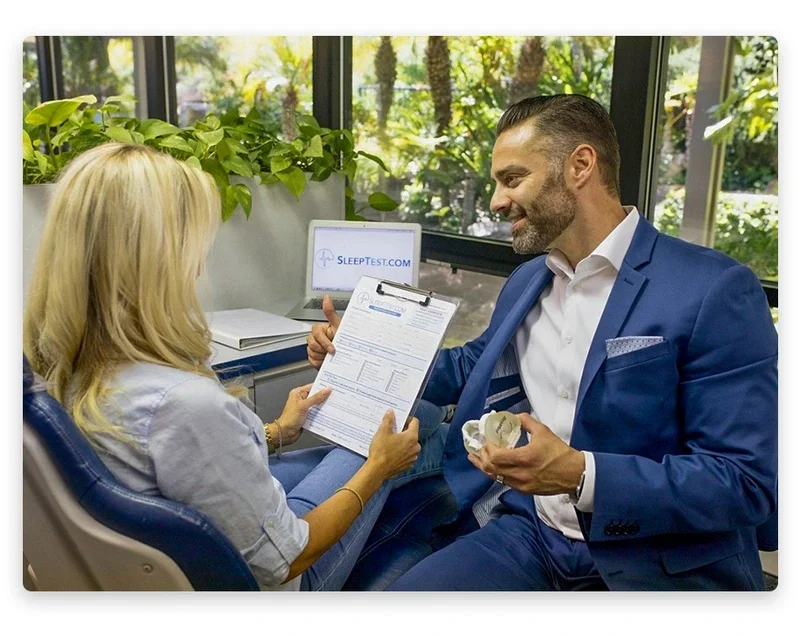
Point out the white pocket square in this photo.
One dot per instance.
(620, 346)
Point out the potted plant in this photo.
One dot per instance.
(258, 259)
(224, 146)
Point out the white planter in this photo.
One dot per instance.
(258, 261)
(253, 262)
(35, 199)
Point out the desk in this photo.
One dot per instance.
(268, 372)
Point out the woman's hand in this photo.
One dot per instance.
(293, 417)
(392, 453)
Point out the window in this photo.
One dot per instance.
(31, 94)
(99, 65)
(429, 107)
(743, 183)
(477, 292)
(223, 73)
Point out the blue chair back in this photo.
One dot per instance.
(206, 556)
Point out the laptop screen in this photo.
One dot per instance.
(342, 255)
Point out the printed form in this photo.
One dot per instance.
(385, 346)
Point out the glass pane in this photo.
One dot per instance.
(216, 74)
(31, 94)
(477, 292)
(745, 223)
(98, 65)
(429, 106)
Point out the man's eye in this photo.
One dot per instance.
(512, 181)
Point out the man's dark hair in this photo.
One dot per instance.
(565, 122)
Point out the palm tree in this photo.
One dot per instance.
(294, 69)
(437, 65)
(529, 70)
(386, 73)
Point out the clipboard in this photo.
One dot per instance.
(408, 293)
(390, 337)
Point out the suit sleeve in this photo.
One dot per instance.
(453, 366)
(728, 395)
(451, 370)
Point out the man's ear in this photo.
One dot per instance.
(581, 165)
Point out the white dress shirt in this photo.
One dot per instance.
(552, 345)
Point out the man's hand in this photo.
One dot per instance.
(319, 340)
(546, 466)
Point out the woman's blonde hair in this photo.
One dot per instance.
(126, 236)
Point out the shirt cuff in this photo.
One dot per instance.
(586, 502)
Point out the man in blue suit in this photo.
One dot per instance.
(644, 370)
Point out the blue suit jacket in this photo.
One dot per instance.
(684, 433)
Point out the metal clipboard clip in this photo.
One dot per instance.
(427, 295)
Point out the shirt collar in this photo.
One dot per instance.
(612, 249)
(616, 244)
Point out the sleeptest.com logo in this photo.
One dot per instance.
(324, 257)
(364, 298)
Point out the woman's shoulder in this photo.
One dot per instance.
(151, 385)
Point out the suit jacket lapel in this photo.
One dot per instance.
(624, 295)
(504, 335)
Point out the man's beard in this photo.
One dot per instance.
(547, 217)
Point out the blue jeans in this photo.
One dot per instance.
(310, 476)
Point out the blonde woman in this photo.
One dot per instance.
(114, 326)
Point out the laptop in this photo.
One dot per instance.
(341, 252)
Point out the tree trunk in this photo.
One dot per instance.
(289, 106)
(529, 70)
(468, 207)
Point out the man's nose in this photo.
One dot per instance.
(500, 203)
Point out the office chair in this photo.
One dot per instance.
(83, 530)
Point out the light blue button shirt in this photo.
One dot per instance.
(198, 445)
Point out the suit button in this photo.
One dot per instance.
(635, 527)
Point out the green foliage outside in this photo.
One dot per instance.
(31, 95)
(100, 65)
(746, 228)
(272, 74)
(748, 120)
(444, 180)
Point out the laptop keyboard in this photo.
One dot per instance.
(339, 304)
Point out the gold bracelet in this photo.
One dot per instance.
(280, 439)
(360, 500)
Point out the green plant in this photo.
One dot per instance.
(746, 228)
(225, 146)
(753, 101)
